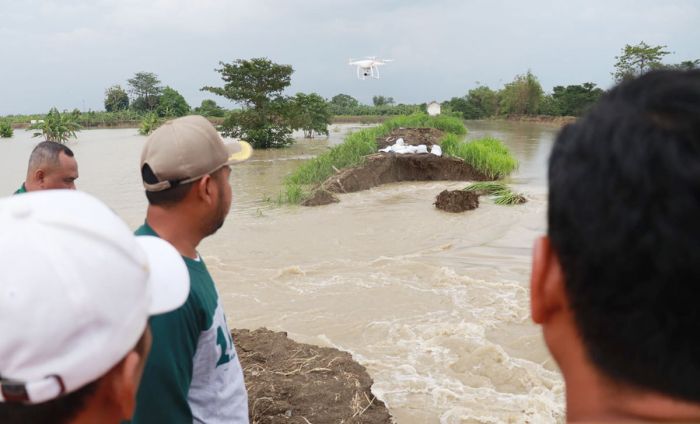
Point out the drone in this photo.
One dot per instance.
(368, 67)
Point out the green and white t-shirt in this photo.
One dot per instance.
(192, 373)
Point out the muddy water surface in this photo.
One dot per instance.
(435, 305)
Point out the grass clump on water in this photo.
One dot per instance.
(487, 155)
(353, 150)
(503, 195)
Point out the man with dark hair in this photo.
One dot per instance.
(51, 165)
(74, 324)
(615, 283)
(193, 373)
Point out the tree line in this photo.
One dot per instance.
(524, 95)
(267, 117)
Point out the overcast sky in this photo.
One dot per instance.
(65, 53)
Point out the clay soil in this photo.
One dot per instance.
(457, 200)
(297, 383)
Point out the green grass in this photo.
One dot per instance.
(487, 155)
(503, 195)
(353, 150)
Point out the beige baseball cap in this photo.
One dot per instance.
(184, 150)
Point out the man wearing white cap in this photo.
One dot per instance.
(76, 291)
(193, 373)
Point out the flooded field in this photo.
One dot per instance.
(435, 305)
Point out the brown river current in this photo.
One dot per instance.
(435, 305)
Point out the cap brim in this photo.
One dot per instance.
(238, 151)
(169, 280)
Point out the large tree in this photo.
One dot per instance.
(638, 59)
(522, 96)
(210, 108)
(145, 89)
(310, 113)
(574, 100)
(257, 85)
(171, 103)
(116, 99)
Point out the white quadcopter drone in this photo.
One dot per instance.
(368, 67)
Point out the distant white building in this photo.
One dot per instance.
(433, 108)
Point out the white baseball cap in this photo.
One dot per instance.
(76, 291)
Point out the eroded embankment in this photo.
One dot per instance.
(384, 168)
(290, 382)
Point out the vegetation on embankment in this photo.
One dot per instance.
(492, 157)
(487, 155)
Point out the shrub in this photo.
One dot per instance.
(56, 126)
(6, 130)
(149, 123)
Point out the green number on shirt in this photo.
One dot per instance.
(223, 342)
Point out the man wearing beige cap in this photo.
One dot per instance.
(193, 373)
(74, 324)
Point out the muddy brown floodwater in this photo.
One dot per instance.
(433, 304)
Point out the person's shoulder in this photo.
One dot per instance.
(145, 230)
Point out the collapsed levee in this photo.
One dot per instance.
(290, 382)
(383, 168)
(356, 164)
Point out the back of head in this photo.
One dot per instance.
(624, 208)
(182, 151)
(47, 153)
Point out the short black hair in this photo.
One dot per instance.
(624, 220)
(47, 152)
(60, 410)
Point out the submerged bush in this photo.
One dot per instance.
(6, 130)
(56, 126)
(149, 123)
(487, 155)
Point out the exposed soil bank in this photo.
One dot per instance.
(291, 382)
(383, 168)
(457, 200)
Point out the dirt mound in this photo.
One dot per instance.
(411, 136)
(320, 197)
(290, 382)
(457, 200)
(382, 168)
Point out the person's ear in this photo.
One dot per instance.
(205, 188)
(39, 176)
(547, 283)
(124, 383)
